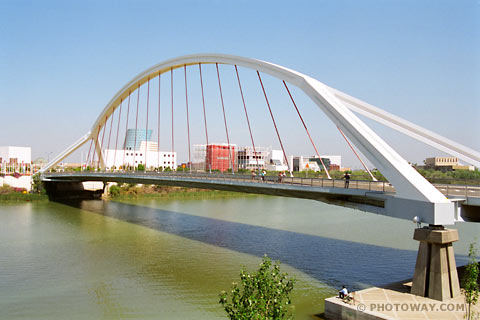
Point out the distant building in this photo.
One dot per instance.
(15, 159)
(441, 162)
(139, 149)
(276, 161)
(116, 159)
(135, 137)
(313, 163)
(444, 164)
(12, 155)
(220, 156)
(252, 160)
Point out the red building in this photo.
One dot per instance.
(218, 157)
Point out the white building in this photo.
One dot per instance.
(276, 161)
(11, 154)
(15, 159)
(116, 159)
(313, 163)
(337, 160)
(249, 159)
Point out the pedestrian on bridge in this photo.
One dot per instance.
(253, 175)
(347, 179)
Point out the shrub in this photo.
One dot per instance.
(264, 294)
(114, 191)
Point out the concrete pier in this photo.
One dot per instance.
(435, 271)
(62, 190)
(394, 302)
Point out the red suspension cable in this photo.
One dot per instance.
(96, 142)
(273, 119)
(158, 131)
(88, 156)
(103, 136)
(126, 129)
(171, 93)
(246, 115)
(146, 125)
(308, 133)
(224, 119)
(136, 126)
(188, 121)
(109, 135)
(355, 152)
(116, 139)
(204, 112)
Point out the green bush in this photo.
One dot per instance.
(264, 294)
(114, 191)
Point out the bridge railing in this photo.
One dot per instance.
(449, 190)
(313, 182)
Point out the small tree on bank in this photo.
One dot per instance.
(264, 294)
(470, 282)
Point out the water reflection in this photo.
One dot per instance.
(331, 261)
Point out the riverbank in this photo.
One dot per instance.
(127, 191)
(10, 194)
(22, 197)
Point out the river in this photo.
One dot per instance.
(158, 259)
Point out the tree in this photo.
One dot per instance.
(114, 191)
(470, 281)
(264, 294)
(37, 184)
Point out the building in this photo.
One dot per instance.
(445, 164)
(139, 149)
(249, 159)
(119, 159)
(276, 161)
(199, 157)
(335, 162)
(135, 137)
(313, 163)
(15, 159)
(220, 156)
(441, 162)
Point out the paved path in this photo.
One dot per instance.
(395, 302)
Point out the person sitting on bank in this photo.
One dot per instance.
(343, 293)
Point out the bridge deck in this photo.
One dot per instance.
(449, 190)
(371, 196)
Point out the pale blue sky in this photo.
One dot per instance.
(62, 61)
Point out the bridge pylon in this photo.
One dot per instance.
(435, 274)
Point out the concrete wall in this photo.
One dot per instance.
(21, 182)
(336, 309)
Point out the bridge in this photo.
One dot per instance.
(407, 195)
(366, 195)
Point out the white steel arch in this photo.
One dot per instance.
(409, 184)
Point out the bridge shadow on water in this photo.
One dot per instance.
(331, 261)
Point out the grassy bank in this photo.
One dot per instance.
(11, 194)
(20, 197)
(130, 191)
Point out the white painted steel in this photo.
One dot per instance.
(406, 127)
(338, 106)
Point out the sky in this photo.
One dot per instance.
(62, 61)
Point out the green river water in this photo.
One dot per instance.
(152, 259)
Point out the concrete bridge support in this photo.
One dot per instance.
(435, 274)
(63, 190)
